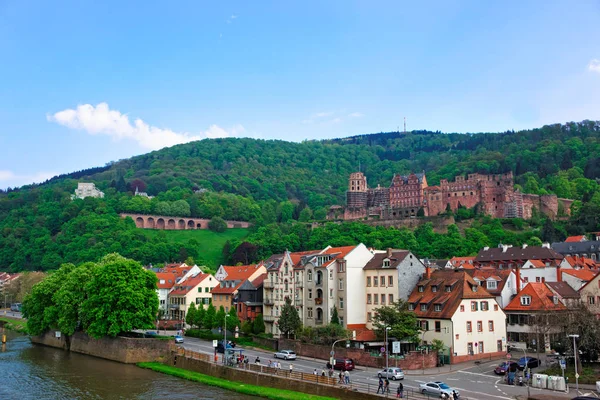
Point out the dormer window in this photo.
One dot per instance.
(434, 288)
(525, 300)
(492, 285)
(423, 307)
(411, 307)
(555, 299)
(386, 263)
(421, 288)
(448, 288)
(437, 307)
(474, 288)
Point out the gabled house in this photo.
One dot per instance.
(590, 295)
(193, 289)
(462, 262)
(585, 248)
(577, 278)
(566, 294)
(501, 283)
(579, 262)
(452, 307)
(539, 271)
(389, 276)
(230, 279)
(250, 298)
(506, 256)
(165, 283)
(576, 239)
(533, 317)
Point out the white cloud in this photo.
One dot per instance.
(336, 120)
(11, 179)
(101, 120)
(317, 117)
(231, 18)
(356, 115)
(594, 65)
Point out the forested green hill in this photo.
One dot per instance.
(270, 181)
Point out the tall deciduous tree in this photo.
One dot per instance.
(259, 324)
(232, 319)
(289, 321)
(397, 316)
(209, 317)
(199, 317)
(335, 319)
(219, 321)
(190, 317)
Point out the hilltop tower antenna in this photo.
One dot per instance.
(405, 125)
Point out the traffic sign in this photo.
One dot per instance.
(395, 347)
(332, 353)
(215, 342)
(383, 349)
(563, 364)
(577, 376)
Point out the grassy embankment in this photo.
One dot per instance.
(210, 243)
(252, 390)
(14, 324)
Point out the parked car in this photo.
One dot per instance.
(344, 364)
(285, 354)
(506, 366)
(178, 339)
(221, 348)
(529, 362)
(16, 307)
(391, 373)
(437, 388)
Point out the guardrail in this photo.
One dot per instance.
(370, 388)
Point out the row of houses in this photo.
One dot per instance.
(475, 305)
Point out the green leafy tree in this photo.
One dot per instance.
(121, 297)
(217, 224)
(305, 215)
(199, 317)
(71, 295)
(247, 328)
(209, 317)
(232, 319)
(289, 321)
(397, 316)
(190, 317)
(259, 324)
(335, 319)
(219, 321)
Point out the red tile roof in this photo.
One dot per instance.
(297, 257)
(240, 272)
(339, 252)
(583, 274)
(226, 290)
(168, 278)
(581, 262)
(186, 286)
(499, 275)
(541, 299)
(537, 263)
(573, 239)
(462, 288)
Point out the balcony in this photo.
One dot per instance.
(269, 318)
(318, 300)
(176, 306)
(268, 301)
(268, 285)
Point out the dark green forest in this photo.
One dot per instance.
(280, 186)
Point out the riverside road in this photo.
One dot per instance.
(473, 381)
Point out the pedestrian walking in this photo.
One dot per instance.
(380, 387)
(257, 361)
(270, 364)
(347, 377)
(341, 377)
(387, 385)
(330, 372)
(291, 368)
(278, 364)
(399, 392)
(454, 395)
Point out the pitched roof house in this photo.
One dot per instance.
(506, 256)
(455, 309)
(230, 279)
(502, 283)
(193, 289)
(590, 295)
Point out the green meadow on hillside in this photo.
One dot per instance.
(210, 243)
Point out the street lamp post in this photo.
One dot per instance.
(524, 369)
(387, 372)
(575, 357)
(225, 339)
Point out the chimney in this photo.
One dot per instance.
(427, 272)
(486, 248)
(389, 252)
(518, 280)
(545, 245)
(524, 245)
(558, 273)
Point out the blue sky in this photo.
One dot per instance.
(83, 83)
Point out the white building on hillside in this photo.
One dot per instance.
(86, 190)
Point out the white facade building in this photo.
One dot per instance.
(87, 190)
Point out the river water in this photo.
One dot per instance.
(30, 371)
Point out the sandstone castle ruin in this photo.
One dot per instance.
(493, 194)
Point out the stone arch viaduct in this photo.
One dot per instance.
(176, 223)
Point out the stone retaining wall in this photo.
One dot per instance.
(121, 349)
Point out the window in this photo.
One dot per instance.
(591, 300)
(423, 307)
(375, 281)
(310, 293)
(198, 300)
(469, 328)
(462, 308)
(309, 312)
(309, 275)
(491, 326)
(434, 288)
(331, 293)
(481, 347)
(421, 288)
(369, 298)
(437, 307)
(386, 263)
(286, 269)
(438, 326)
(206, 290)
(375, 298)
(448, 288)
(368, 281)
(341, 303)
(424, 325)
(162, 302)
(525, 300)
(383, 299)
(391, 298)
(390, 281)
(484, 306)
(199, 290)
(411, 307)
(479, 326)
(538, 279)
(495, 307)
(369, 317)
(470, 348)
(492, 285)
(330, 274)
(474, 306)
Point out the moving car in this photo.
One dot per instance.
(506, 366)
(391, 373)
(529, 362)
(344, 364)
(16, 307)
(178, 339)
(437, 388)
(285, 354)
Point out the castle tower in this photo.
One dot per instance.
(356, 196)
